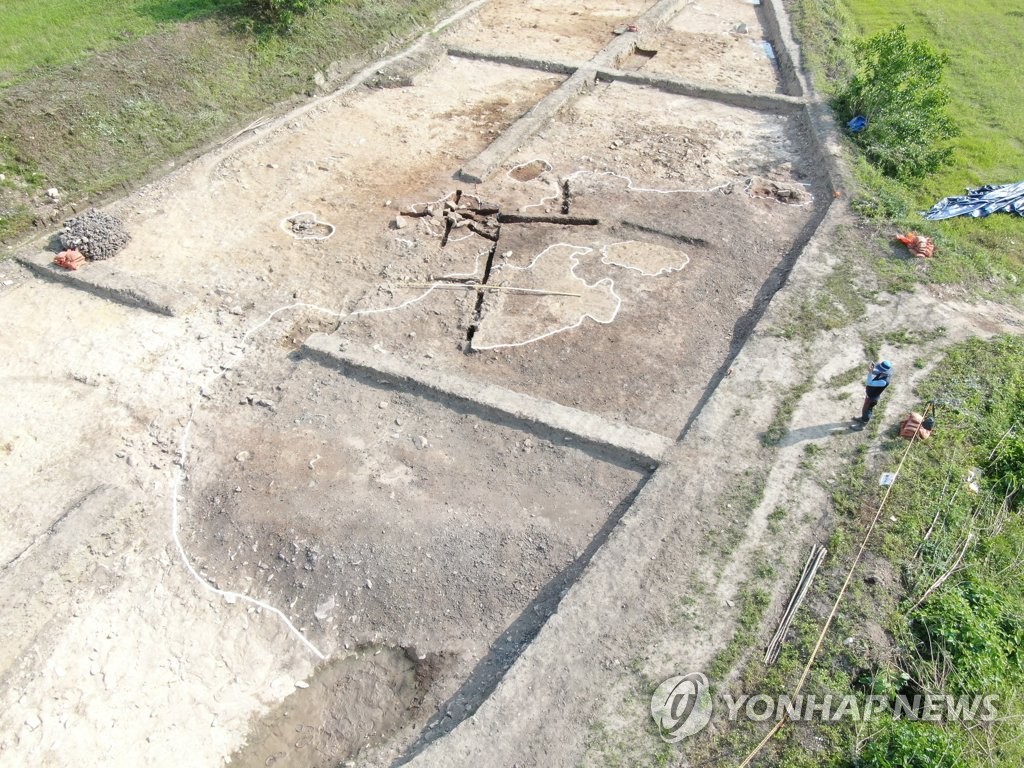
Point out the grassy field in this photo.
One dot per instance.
(935, 605)
(981, 40)
(51, 33)
(102, 93)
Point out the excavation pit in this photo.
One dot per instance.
(719, 43)
(370, 515)
(637, 59)
(384, 512)
(547, 29)
(701, 209)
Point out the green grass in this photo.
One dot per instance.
(52, 33)
(753, 602)
(967, 636)
(982, 40)
(779, 426)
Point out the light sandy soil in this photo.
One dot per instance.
(718, 42)
(343, 161)
(218, 550)
(563, 30)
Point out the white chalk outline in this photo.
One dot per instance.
(548, 169)
(176, 481)
(179, 474)
(291, 220)
(578, 250)
(606, 259)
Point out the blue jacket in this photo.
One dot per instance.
(878, 378)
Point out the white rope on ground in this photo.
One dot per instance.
(606, 259)
(183, 447)
(574, 262)
(547, 167)
(179, 475)
(314, 221)
(476, 266)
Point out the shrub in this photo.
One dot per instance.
(897, 86)
(276, 14)
(977, 630)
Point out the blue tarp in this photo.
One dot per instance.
(980, 202)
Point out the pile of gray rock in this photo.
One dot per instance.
(95, 234)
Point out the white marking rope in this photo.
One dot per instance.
(606, 259)
(179, 473)
(294, 219)
(578, 250)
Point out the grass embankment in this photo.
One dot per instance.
(936, 605)
(897, 633)
(981, 40)
(45, 34)
(95, 95)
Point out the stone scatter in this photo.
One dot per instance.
(95, 234)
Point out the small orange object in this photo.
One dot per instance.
(70, 259)
(919, 245)
(912, 426)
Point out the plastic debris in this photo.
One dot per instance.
(981, 202)
(972, 481)
(858, 124)
(69, 259)
(919, 245)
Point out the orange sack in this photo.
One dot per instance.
(70, 259)
(919, 245)
(912, 426)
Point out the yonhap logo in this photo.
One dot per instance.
(681, 706)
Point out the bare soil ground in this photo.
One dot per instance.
(212, 541)
(656, 171)
(557, 29)
(718, 42)
(343, 161)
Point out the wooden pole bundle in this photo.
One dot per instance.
(815, 559)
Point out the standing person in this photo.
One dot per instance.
(874, 386)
